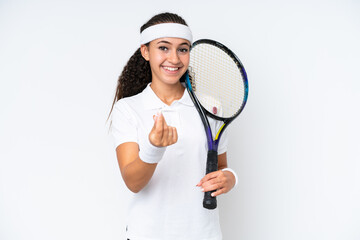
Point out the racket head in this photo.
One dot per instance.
(218, 79)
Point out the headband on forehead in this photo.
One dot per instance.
(165, 30)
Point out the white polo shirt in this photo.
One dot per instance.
(169, 207)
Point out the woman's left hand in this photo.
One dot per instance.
(221, 181)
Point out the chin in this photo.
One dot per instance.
(172, 82)
(172, 79)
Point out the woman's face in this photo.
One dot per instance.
(168, 58)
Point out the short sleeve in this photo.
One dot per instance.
(123, 124)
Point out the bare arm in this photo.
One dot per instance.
(135, 172)
(222, 161)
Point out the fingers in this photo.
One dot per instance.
(159, 123)
(213, 184)
(217, 181)
(207, 178)
(219, 192)
(173, 136)
(161, 134)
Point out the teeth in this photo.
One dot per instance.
(171, 69)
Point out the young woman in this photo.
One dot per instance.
(160, 141)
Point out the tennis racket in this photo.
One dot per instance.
(217, 84)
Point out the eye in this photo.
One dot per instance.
(163, 48)
(183, 50)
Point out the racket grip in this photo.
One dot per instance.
(211, 166)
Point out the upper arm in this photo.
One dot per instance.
(126, 153)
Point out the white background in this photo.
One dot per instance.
(295, 147)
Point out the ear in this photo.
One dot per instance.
(145, 52)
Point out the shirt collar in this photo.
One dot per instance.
(152, 101)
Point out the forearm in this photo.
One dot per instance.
(137, 174)
(138, 171)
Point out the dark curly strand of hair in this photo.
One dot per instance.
(134, 77)
(137, 73)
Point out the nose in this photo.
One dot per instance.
(174, 57)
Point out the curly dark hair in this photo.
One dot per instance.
(137, 73)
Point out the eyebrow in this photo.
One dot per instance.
(163, 41)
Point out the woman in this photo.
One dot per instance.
(160, 141)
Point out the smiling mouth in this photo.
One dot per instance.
(171, 69)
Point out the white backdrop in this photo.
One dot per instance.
(295, 147)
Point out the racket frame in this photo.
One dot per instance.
(212, 158)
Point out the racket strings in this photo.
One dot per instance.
(216, 80)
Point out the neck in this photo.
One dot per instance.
(168, 93)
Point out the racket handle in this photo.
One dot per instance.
(211, 166)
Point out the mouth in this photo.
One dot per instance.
(171, 69)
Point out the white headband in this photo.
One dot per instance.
(165, 30)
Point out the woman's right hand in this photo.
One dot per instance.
(161, 134)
